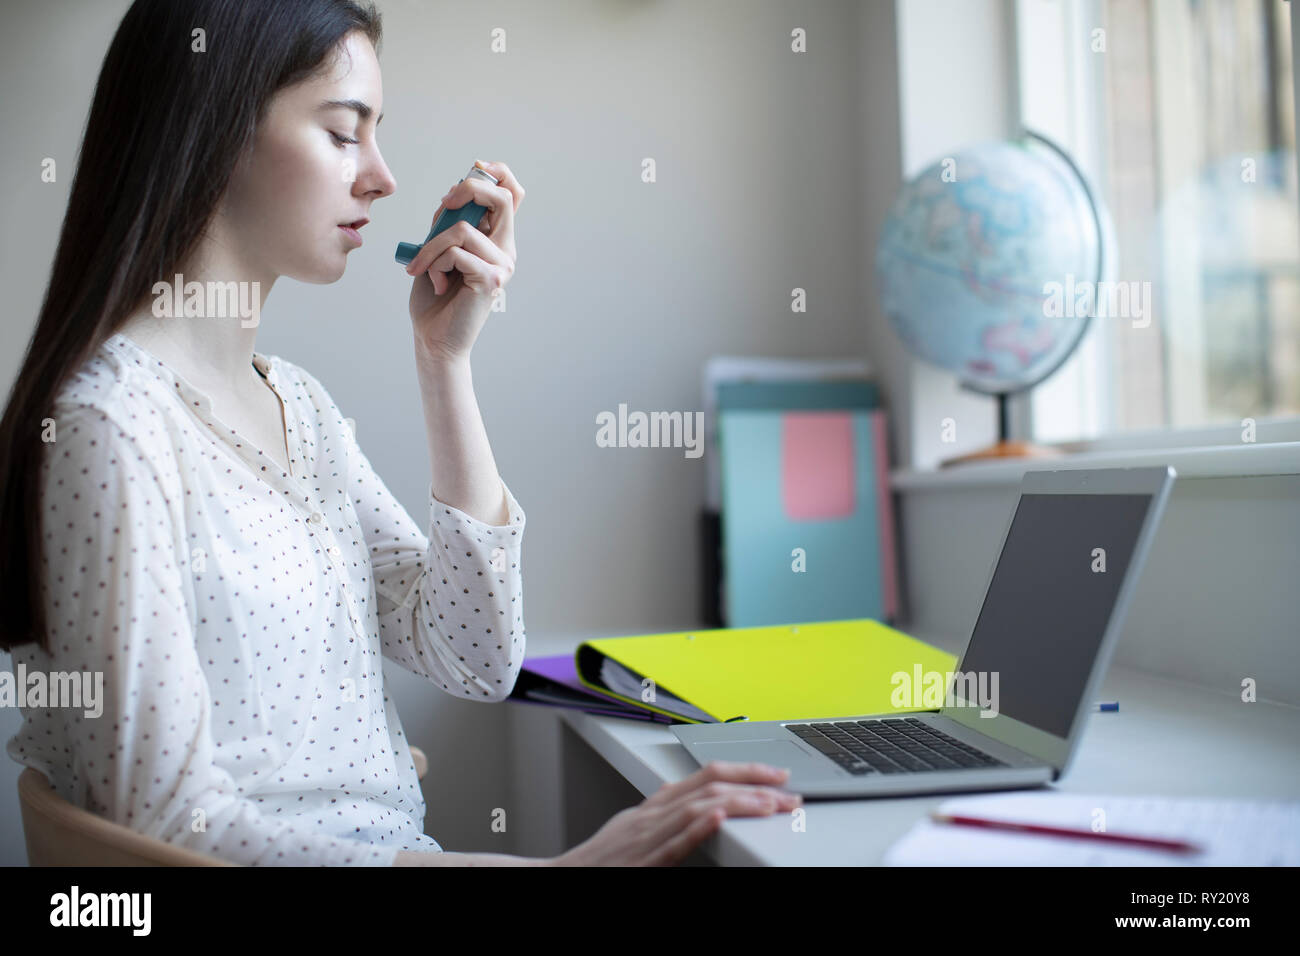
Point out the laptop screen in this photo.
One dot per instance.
(1050, 600)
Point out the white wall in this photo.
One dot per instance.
(956, 87)
(1216, 602)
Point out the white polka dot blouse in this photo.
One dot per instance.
(239, 615)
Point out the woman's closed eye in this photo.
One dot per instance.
(343, 140)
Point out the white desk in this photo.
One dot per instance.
(1168, 738)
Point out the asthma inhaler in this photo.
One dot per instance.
(471, 213)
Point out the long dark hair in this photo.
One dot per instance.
(173, 111)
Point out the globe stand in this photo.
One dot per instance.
(1005, 448)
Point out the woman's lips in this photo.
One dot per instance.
(351, 229)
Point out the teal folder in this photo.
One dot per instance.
(807, 523)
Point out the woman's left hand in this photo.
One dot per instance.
(458, 272)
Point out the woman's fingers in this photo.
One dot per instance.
(722, 771)
(425, 253)
(738, 799)
(665, 827)
(500, 205)
(482, 263)
(697, 815)
(463, 236)
(502, 172)
(679, 847)
(498, 222)
(486, 247)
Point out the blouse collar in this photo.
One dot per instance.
(266, 365)
(201, 404)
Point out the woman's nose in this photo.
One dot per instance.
(380, 181)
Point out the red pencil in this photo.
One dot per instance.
(1175, 846)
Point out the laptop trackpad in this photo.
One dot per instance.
(778, 753)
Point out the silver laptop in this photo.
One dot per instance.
(1054, 608)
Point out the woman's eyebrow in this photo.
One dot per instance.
(362, 110)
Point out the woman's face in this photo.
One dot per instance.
(314, 167)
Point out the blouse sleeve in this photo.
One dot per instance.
(450, 605)
(115, 604)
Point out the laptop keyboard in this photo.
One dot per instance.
(891, 746)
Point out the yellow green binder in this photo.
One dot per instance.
(785, 672)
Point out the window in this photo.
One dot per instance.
(1181, 112)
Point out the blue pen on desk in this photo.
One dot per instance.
(1104, 706)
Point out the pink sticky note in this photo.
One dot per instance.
(817, 465)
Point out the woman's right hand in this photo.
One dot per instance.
(663, 829)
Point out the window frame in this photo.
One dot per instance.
(1050, 35)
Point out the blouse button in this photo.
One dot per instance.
(334, 550)
(317, 517)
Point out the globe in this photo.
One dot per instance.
(968, 254)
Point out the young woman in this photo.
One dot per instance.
(195, 520)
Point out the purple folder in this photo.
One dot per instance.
(553, 682)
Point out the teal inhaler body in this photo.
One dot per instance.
(471, 213)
